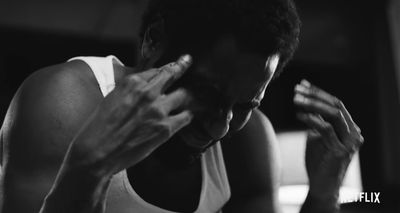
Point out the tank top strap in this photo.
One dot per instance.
(103, 70)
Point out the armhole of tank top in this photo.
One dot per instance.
(131, 191)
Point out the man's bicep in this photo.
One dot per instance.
(252, 163)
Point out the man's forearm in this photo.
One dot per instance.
(78, 192)
(316, 204)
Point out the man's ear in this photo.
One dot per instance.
(154, 42)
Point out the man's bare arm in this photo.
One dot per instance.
(252, 162)
(130, 123)
(42, 119)
(331, 144)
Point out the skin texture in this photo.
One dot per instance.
(57, 131)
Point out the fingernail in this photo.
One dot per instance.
(187, 59)
(305, 83)
(301, 88)
(299, 98)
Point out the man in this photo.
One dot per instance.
(92, 135)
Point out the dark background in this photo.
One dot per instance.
(345, 48)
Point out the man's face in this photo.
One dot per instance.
(226, 84)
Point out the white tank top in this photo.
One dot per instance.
(122, 198)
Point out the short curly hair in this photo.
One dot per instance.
(260, 26)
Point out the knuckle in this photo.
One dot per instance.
(145, 95)
(164, 130)
(156, 112)
(127, 101)
(167, 70)
(132, 80)
(338, 113)
(313, 90)
(171, 69)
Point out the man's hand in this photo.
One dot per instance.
(331, 143)
(130, 123)
(133, 121)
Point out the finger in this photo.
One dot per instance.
(353, 126)
(168, 74)
(330, 113)
(307, 89)
(175, 100)
(324, 128)
(148, 74)
(124, 98)
(177, 122)
(130, 83)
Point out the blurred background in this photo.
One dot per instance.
(349, 48)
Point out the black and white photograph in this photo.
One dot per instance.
(200, 106)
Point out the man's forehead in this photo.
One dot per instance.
(241, 88)
(229, 68)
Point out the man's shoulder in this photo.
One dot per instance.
(61, 91)
(259, 127)
(45, 114)
(58, 88)
(48, 109)
(251, 161)
(60, 77)
(258, 135)
(260, 120)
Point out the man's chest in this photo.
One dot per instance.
(172, 190)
